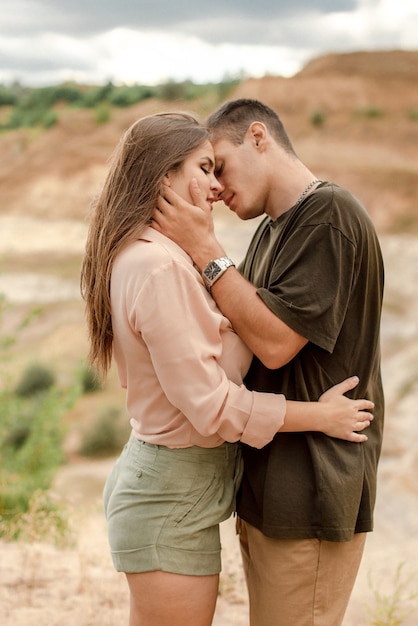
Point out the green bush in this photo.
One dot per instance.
(96, 95)
(49, 119)
(31, 433)
(225, 88)
(89, 380)
(31, 443)
(35, 378)
(107, 435)
(372, 112)
(318, 118)
(31, 446)
(72, 94)
(45, 519)
(34, 107)
(102, 114)
(21, 118)
(129, 95)
(7, 97)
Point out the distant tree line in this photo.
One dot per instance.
(33, 107)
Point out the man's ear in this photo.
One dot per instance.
(257, 132)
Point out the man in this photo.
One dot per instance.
(307, 301)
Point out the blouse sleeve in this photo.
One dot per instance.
(181, 330)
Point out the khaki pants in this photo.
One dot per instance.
(304, 582)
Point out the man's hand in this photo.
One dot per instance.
(189, 225)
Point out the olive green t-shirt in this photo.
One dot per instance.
(319, 269)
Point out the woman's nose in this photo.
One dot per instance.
(217, 186)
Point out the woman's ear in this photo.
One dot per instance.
(166, 180)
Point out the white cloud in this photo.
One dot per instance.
(156, 56)
(127, 56)
(400, 18)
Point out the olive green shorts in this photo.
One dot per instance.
(163, 506)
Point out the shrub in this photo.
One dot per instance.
(31, 436)
(102, 114)
(36, 378)
(172, 91)
(372, 112)
(89, 380)
(45, 519)
(225, 88)
(7, 97)
(107, 436)
(318, 118)
(96, 95)
(49, 119)
(126, 96)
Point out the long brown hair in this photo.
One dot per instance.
(149, 149)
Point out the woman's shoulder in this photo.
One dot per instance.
(150, 260)
(150, 250)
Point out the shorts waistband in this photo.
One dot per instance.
(224, 451)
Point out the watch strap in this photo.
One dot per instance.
(214, 270)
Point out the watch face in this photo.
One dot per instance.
(215, 269)
(212, 270)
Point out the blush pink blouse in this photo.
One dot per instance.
(177, 356)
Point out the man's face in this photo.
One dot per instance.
(238, 169)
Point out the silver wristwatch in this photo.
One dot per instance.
(214, 270)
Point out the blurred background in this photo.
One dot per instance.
(344, 79)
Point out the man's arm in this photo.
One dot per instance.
(191, 227)
(270, 339)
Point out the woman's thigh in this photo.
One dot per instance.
(163, 599)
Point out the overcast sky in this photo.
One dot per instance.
(44, 42)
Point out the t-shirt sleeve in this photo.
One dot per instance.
(182, 334)
(311, 282)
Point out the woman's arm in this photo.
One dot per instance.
(334, 414)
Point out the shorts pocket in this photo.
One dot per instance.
(198, 500)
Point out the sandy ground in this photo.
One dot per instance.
(41, 585)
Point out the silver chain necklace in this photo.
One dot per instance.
(305, 191)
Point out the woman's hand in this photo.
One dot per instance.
(344, 418)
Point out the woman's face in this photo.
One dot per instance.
(200, 165)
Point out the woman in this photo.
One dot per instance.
(182, 366)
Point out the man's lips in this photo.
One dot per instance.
(228, 200)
